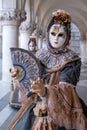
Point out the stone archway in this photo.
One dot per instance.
(78, 41)
(75, 39)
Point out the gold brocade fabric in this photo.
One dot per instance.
(43, 123)
(64, 109)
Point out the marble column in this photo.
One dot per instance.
(44, 43)
(10, 22)
(25, 32)
(25, 28)
(39, 45)
(83, 47)
(83, 50)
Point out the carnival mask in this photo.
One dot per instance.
(32, 46)
(57, 35)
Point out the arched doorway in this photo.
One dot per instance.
(76, 39)
(78, 42)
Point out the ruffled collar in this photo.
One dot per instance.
(50, 60)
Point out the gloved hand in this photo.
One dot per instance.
(14, 71)
(38, 87)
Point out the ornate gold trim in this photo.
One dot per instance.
(67, 84)
(57, 68)
(55, 72)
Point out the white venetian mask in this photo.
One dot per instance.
(32, 46)
(57, 35)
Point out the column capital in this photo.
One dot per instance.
(12, 16)
(26, 27)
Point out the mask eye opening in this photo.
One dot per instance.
(61, 35)
(53, 33)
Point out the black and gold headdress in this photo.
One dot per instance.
(62, 17)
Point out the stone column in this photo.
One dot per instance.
(10, 21)
(44, 43)
(39, 38)
(83, 47)
(83, 50)
(39, 42)
(25, 28)
(25, 32)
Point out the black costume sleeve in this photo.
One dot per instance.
(70, 72)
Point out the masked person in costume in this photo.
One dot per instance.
(32, 44)
(57, 105)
